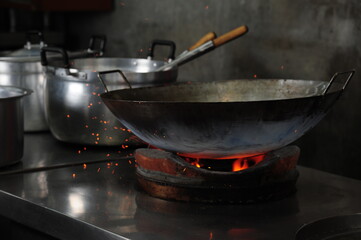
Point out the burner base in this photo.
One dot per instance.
(165, 175)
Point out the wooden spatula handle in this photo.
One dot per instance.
(235, 33)
(209, 36)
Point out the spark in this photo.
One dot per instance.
(73, 175)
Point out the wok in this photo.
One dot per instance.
(225, 119)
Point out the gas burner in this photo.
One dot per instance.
(266, 177)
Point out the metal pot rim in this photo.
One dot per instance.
(21, 59)
(21, 92)
(98, 59)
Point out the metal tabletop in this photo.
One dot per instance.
(100, 200)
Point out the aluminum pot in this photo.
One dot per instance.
(224, 119)
(22, 68)
(73, 107)
(11, 124)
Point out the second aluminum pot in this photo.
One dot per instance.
(11, 124)
(73, 107)
(22, 68)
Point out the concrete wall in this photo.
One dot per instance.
(302, 39)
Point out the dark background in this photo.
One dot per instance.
(297, 39)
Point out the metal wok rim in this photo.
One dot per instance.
(312, 225)
(107, 94)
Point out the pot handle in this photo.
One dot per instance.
(155, 42)
(334, 77)
(63, 53)
(29, 35)
(102, 41)
(112, 71)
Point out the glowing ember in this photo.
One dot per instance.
(194, 162)
(73, 175)
(84, 166)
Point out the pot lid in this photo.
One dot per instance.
(30, 51)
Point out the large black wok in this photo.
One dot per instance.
(225, 119)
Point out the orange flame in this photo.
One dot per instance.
(244, 163)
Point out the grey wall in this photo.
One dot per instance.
(301, 39)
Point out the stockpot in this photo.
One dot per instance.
(22, 68)
(11, 124)
(73, 107)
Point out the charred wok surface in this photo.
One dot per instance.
(222, 119)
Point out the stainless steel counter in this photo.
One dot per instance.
(101, 200)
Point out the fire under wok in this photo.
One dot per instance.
(225, 119)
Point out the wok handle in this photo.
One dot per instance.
(209, 36)
(156, 42)
(334, 77)
(235, 33)
(102, 41)
(63, 53)
(112, 71)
